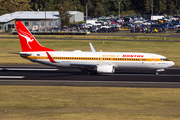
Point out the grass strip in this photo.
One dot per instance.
(103, 37)
(84, 103)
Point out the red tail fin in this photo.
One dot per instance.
(27, 40)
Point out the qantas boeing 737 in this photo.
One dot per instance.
(100, 62)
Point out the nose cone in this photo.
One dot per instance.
(171, 64)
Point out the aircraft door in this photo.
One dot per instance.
(42, 57)
(153, 60)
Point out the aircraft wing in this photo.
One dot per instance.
(83, 65)
(72, 64)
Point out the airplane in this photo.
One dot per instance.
(93, 62)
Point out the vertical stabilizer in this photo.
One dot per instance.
(27, 40)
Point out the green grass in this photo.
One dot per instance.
(87, 103)
(105, 36)
(169, 49)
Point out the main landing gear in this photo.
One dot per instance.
(92, 72)
(159, 70)
(89, 71)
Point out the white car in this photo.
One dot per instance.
(175, 19)
(89, 25)
(177, 25)
(146, 23)
(82, 26)
(139, 21)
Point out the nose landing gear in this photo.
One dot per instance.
(159, 70)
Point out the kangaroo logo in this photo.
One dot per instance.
(26, 37)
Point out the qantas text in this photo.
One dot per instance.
(139, 56)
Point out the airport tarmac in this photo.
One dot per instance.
(51, 76)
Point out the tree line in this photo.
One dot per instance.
(95, 7)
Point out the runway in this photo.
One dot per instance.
(51, 76)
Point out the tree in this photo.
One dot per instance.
(162, 6)
(64, 8)
(80, 6)
(10, 6)
(177, 3)
(100, 10)
(171, 7)
(147, 4)
(138, 5)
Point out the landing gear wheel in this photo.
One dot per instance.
(89, 73)
(92, 72)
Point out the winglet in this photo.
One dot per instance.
(50, 58)
(92, 48)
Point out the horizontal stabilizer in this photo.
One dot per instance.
(13, 53)
(21, 54)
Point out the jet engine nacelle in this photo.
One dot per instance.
(105, 69)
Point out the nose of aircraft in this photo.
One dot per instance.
(171, 64)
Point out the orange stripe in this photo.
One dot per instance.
(95, 58)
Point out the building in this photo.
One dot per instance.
(33, 20)
(76, 16)
(37, 20)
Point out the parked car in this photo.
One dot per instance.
(139, 21)
(115, 29)
(136, 30)
(104, 30)
(172, 27)
(93, 30)
(160, 28)
(154, 30)
(144, 29)
(176, 24)
(146, 23)
(174, 18)
(89, 25)
(82, 26)
(165, 25)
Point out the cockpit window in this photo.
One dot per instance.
(164, 59)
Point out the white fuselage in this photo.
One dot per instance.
(90, 59)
